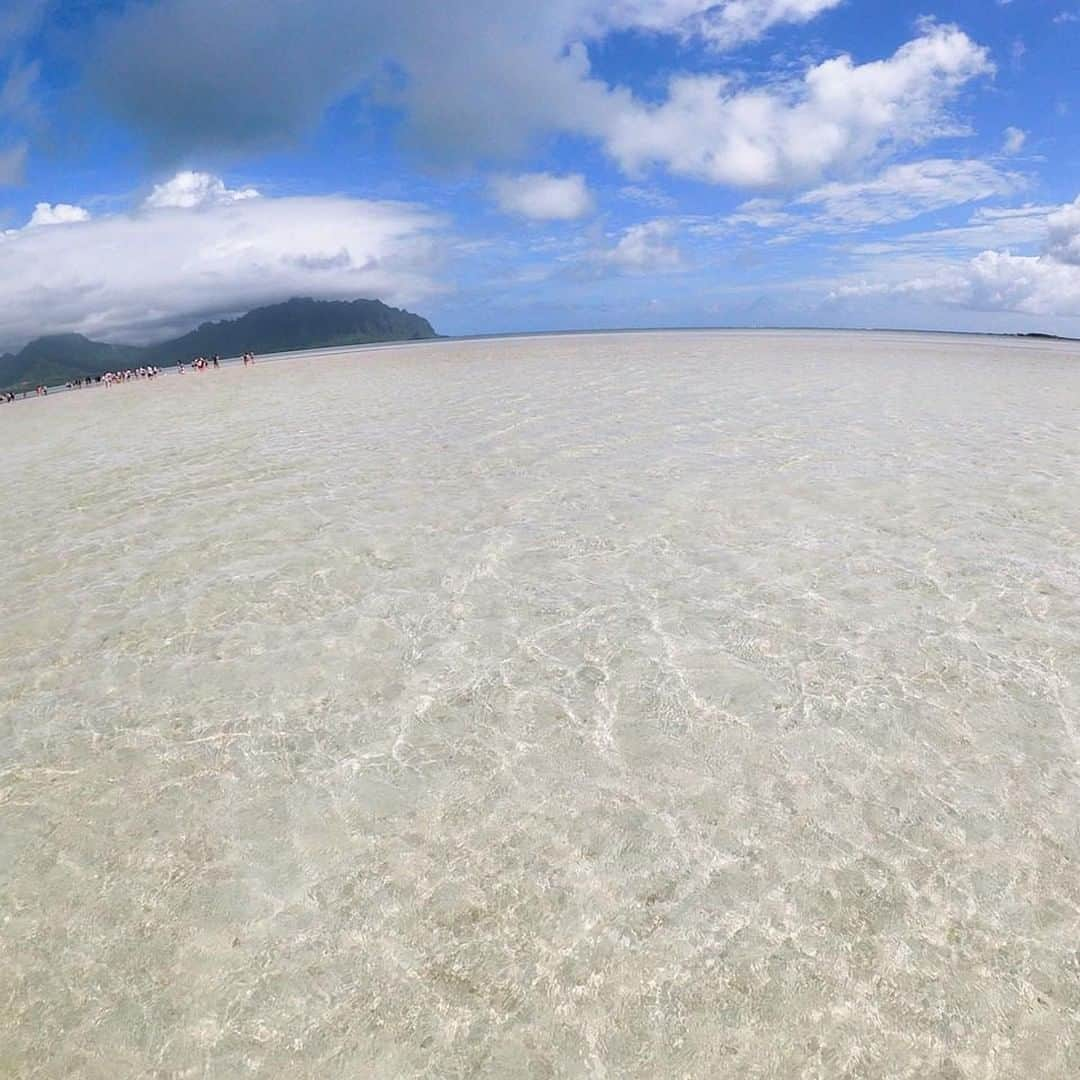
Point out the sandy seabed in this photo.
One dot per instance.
(652, 705)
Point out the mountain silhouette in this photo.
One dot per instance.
(295, 324)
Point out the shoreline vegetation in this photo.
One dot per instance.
(303, 323)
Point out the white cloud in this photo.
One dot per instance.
(991, 281)
(140, 276)
(898, 193)
(646, 196)
(542, 196)
(1014, 140)
(723, 25)
(988, 227)
(1047, 284)
(57, 214)
(1063, 234)
(1032, 285)
(187, 91)
(191, 91)
(477, 78)
(188, 190)
(839, 114)
(644, 248)
(902, 192)
(761, 213)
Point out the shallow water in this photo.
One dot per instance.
(654, 705)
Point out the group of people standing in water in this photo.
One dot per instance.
(8, 396)
(108, 378)
(200, 363)
(127, 375)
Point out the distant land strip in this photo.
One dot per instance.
(287, 327)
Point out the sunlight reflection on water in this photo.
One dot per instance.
(695, 704)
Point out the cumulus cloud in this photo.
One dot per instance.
(189, 90)
(644, 248)
(57, 214)
(187, 190)
(1032, 285)
(520, 70)
(542, 196)
(840, 113)
(1063, 234)
(1045, 284)
(142, 275)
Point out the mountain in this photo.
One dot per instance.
(59, 357)
(295, 324)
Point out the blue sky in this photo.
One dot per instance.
(501, 165)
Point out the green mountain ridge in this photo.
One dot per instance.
(295, 324)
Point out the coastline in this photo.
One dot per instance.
(1050, 341)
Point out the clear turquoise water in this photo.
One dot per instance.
(651, 705)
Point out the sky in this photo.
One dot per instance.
(506, 165)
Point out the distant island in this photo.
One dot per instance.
(295, 324)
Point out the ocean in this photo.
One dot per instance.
(682, 704)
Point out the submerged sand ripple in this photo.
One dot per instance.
(646, 705)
